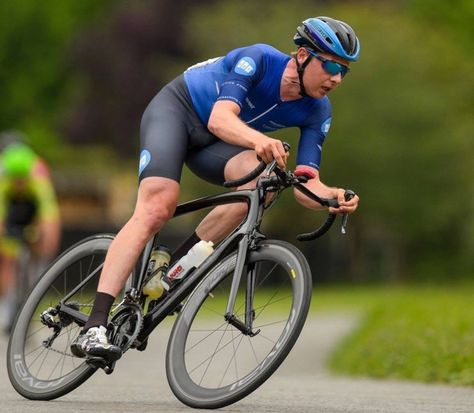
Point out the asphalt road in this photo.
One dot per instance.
(300, 385)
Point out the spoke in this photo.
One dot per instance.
(205, 307)
(212, 332)
(271, 324)
(80, 280)
(253, 350)
(266, 338)
(267, 303)
(57, 291)
(41, 365)
(37, 357)
(212, 355)
(90, 265)
(65, 350)
(35, 332)
(35, 349)
(232, 359)
(203, 330)
(55, 367)
(210, 360)
(266, 276)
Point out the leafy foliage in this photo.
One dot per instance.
(422, 334)
(401, 135)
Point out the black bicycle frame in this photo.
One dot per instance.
(243, 236)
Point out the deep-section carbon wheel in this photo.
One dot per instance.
(210, 363)
(40, 363)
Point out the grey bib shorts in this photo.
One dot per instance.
(172, 134)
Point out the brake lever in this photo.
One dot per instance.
(348, 195)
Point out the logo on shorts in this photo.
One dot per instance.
(326, 126)
(245, 66)
(145, 158)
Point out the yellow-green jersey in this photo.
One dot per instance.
(36, 188)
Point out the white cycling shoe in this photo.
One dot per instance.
(94, 343)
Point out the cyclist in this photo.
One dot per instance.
(28, 213)
(213, 117)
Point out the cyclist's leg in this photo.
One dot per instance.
(217, 163)
(164, 140)
(157, 198)
(9, 253)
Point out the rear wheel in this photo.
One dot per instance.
(39, 360)
(210, 363)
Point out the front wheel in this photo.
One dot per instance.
(209, 362)
(39, 360)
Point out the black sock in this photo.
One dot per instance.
(100, 311)
(183, 249)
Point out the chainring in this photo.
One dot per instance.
(125, 325)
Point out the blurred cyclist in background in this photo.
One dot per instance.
(29, 214)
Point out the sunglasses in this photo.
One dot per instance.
(330, 66)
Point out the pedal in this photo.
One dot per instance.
(143, 345)
(100, 363)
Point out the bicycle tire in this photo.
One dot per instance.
(182, 378)
(64, 274)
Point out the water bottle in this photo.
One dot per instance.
(159, 260)
(195, 256)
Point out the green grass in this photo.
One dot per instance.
(417, 333)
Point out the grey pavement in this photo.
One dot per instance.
(300, 385)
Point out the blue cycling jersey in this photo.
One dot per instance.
(251, 77)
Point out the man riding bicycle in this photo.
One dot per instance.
(213, 118)
(29, 214)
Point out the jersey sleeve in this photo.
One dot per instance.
(312, 137)
(246, 66)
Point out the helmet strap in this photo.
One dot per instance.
(300, 69)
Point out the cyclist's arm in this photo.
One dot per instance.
(309, 159)
(224, 122)
(246, 69)
(319, 188)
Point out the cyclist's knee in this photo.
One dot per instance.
(240, 165)
(157, 199)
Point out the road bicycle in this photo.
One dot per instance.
(238, 314)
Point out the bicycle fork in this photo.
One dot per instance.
(241, 267)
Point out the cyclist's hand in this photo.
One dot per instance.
(269, 149)
(345, 207)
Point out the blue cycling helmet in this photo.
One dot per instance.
(328, 35)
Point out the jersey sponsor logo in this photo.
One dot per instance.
(326, 126)
(145, 158)
(245, 66)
